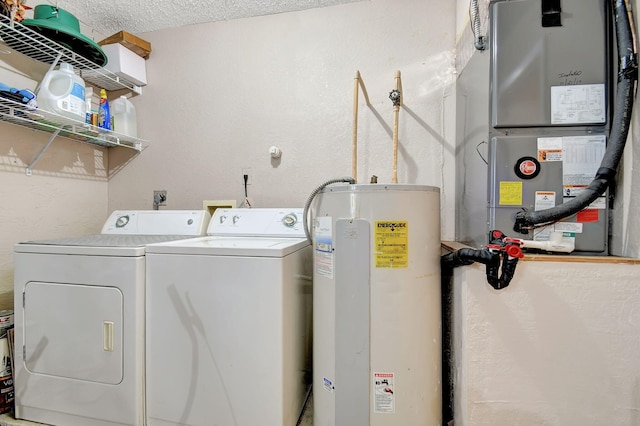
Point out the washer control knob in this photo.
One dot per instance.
(122, 221)
(290, 220)
(236, 218)
(222, 219)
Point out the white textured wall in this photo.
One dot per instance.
(65, 196)
(558, 347)
(220, 94)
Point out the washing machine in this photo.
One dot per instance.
(79, 319)
(229, 322)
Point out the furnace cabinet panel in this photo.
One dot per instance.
(551, 186)
(527, 59)
(549, 113)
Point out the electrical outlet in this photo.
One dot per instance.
(246, 171)
(160, 198)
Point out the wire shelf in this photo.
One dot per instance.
(40, 48)
(19, 114)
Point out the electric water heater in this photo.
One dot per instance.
(377, 357)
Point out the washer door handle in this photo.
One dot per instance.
(107, 336)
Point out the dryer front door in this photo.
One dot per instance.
(74, 331)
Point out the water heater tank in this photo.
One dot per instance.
(377, 357)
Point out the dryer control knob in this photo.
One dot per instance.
(290, 220)
(122, 221)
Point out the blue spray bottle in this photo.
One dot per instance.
(104, 115)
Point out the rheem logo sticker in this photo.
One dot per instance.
(527, 168)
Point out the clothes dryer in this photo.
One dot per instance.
(229, 322)
(79, 319)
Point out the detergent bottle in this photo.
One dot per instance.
(62, 92)
(104, 112)
(124, 117)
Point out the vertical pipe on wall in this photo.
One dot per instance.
(357, 82)
(396, 97)
(354, 142)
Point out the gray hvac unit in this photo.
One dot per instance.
(549, 114)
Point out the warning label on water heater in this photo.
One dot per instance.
(383, 392)
(391, 244)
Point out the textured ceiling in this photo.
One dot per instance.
(139, 16)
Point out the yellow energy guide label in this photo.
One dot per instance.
(391, 244)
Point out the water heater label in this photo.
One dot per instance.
(327, 384)
(323, 230)
(580, 104)
(392, 244)
(383, 392)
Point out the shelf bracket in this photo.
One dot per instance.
(42, 150)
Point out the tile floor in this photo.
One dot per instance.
(7, 419)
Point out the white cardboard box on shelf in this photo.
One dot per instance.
(125, 63)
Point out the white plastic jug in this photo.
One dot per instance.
(124, 117)
(62, 92)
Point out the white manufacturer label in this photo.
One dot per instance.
(327, 384)
(323, 231)
(578, 104)
(550, 149)
(571, 227)
(581, 157)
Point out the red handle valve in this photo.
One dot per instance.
(514, 251)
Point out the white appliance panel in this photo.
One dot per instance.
(228, 338)
(154, 222)
(79, 356)
(75, 339)
(79, 400)
(266, 222)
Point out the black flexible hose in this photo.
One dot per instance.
(623, 106)
(491, 260)
(465, 256)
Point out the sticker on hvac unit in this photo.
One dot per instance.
(580, 104)
(580, 161)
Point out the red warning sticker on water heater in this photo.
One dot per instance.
(383, 392)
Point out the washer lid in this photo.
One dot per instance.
(231, 246)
